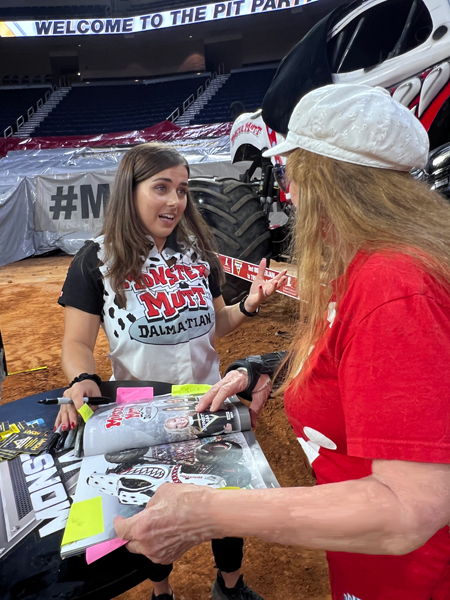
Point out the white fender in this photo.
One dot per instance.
(433, 84)
(407, 91)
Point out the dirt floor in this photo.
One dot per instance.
(32, 326)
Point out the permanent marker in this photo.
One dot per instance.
(79, 440)
(70, 439)
(53, 439)
(94, 400)
(62, 438)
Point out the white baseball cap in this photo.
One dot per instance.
(358, 124)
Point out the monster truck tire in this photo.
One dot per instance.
(126, 456)
(233, 212)
(222, 452)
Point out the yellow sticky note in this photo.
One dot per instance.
(229, 487)
(86, 412)
(85, 519)
(190, 388)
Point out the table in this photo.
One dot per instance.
(33, 568)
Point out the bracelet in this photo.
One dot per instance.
(84, 376)
(245, 312)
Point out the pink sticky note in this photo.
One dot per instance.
(95, 552)
(125, 395)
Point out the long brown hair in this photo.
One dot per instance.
(344, 208)
(126, 238)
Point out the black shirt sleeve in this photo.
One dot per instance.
(83, 287)
(214, 285)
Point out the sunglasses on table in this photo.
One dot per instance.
(279, 172)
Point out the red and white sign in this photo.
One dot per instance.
(249, 271)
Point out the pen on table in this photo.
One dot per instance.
(53, 439)
(70, 439)
(94, 400)
(79, 440)
(61, 440)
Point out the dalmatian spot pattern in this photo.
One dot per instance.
(121, 323)
(117, 302)
(111, 312)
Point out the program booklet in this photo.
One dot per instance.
(132, 449)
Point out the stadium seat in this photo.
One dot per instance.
(246, 86)
(109, 108)
(14, 103)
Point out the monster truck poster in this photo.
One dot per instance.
(163, 419)
(126, 479)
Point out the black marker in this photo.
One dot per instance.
(94, 400)
(53, 440)
(61, 440)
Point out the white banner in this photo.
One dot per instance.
(169, 18)
(72, 203)
(249, 271)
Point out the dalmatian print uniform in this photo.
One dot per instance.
(166, 332)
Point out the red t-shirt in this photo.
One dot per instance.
(377, 386)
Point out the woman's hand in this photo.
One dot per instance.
(228, 318)
(261, 289)
(68, 415)
(393, 511)
(233, 383)
(169, 526)
(259, 396)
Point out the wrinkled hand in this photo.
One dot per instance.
(259, 396)
(68, 415)
(261, 289)
(233, 383)
(169, 526)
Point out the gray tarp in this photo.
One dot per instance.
(44, 194)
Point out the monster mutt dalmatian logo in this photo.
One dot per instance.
(175, 305)
(350, 597)
(119, 414)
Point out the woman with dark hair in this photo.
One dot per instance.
(367, 383)
(152, 281)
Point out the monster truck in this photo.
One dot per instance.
(402, 45)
